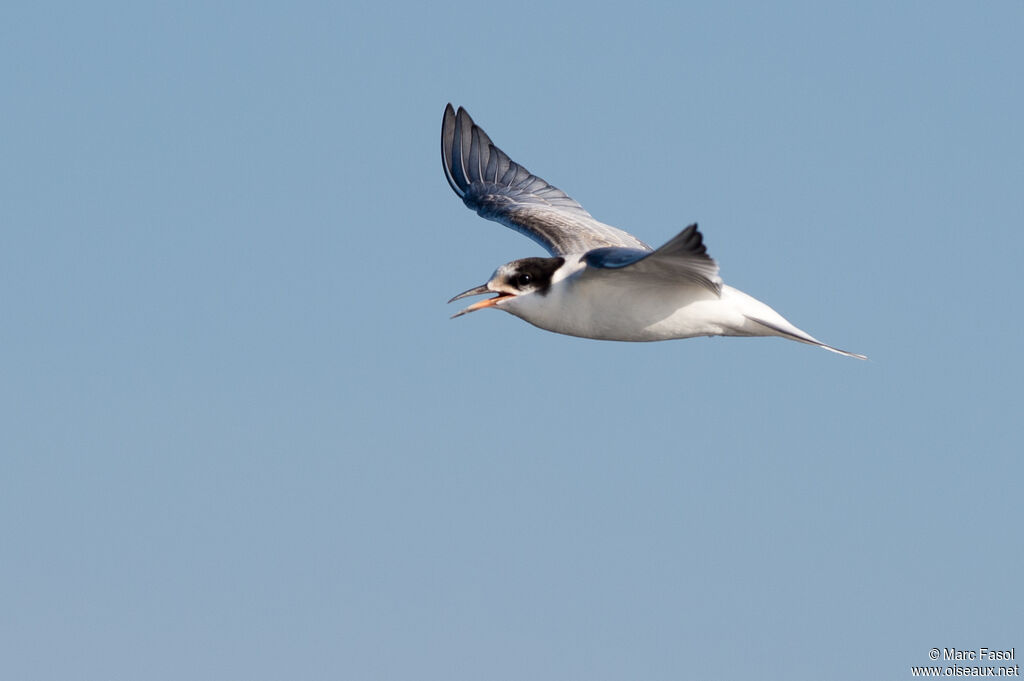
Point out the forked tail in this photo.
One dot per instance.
(796, 334)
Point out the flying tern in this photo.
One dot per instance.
(600, 282)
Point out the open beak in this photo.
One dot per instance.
(479, 290)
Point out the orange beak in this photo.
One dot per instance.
(479, 290)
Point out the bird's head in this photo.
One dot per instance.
(528, 276)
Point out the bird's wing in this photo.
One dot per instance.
(683, 259)
(500, 189)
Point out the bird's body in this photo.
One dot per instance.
(600, 282)
(601, 308)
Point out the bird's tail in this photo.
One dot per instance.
(793, 333)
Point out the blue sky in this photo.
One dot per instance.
(242, 439)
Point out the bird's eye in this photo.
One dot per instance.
(523, 279)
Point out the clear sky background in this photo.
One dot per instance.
(241, 439)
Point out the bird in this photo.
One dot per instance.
(600, 281)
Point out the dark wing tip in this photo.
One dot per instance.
(447, 143)
(692, 240)
(465, 149)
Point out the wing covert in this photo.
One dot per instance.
(683, 258)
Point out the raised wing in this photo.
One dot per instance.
(500, 189)
(683, 259)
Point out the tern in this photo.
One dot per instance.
(600, 281)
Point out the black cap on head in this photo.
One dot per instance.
(532, 274)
